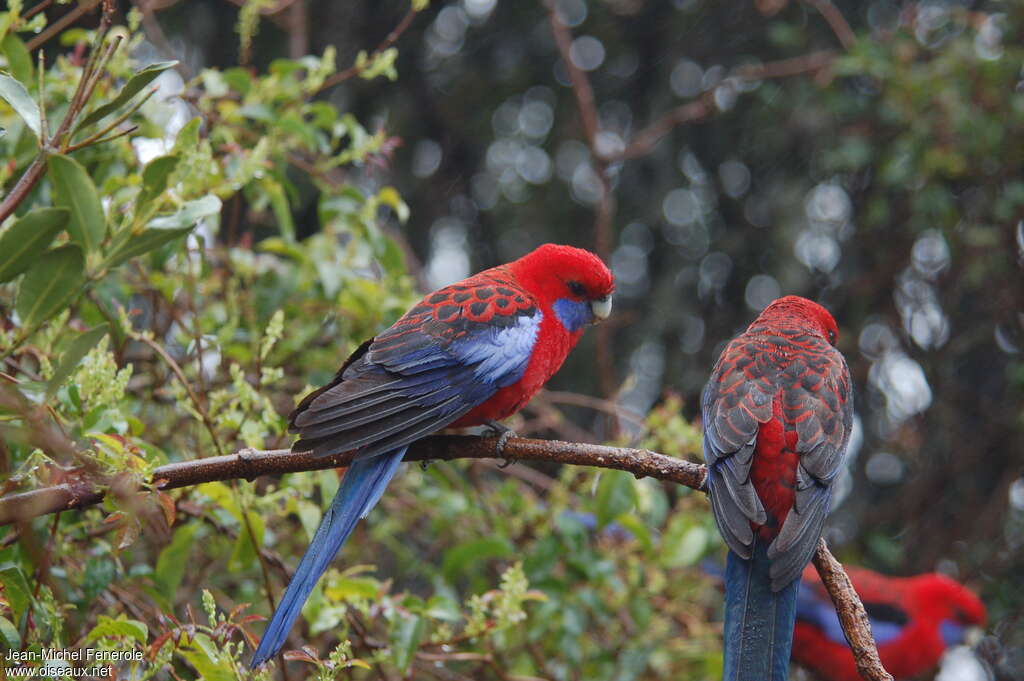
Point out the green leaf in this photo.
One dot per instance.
(170, 566)
(9, 634)
(155, 176)
(78, 349)
(406, 634)
(108, 627)
(76, 191)
(134, 85)
(191, 213)
(19, 61)
(21, 245)
(684, 542)
(188, 136)
(244, 552)
(50, 285)
(473, 552)
(163, 229)
(279, 204)
(616, 494)
(16, 590)
(201, 653)
(15, 94)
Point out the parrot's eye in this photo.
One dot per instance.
(577, 289)
(831, 336)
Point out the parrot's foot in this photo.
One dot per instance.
(504, 434)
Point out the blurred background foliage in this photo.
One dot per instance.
(306, 168)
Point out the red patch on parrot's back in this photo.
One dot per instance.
(773, 470)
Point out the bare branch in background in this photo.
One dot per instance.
(388, 41)
(836, 21)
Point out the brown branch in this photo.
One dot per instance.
(83, 92)
(783, 68)
(249, 464)
(852, 615)
(581, 88)
(836, 21)
(388, 41)
(84, 7)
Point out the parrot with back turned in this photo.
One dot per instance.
(777, 415)
(468, 354)
(913, 620)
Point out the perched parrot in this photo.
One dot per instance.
(913, 619)
(467, 354)
(777, 414)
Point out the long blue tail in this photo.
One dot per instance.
(360, 490)
(758, 621)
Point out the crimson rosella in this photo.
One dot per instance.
(777, 416)
(467, 354)
(913, 619)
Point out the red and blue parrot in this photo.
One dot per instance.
(777, 415)
(913, 619)
(468, 354)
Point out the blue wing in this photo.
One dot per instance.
(411, 382)
(815, 608)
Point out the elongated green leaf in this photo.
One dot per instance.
(18, 58)
(78, 349)
(406, 634)
(473, 552)
(16, 590)
(76, 191)
(9, 634)
(22, 244)
(155, 175)
(50, 285)
(107, 627)
(616, 494)
(134, 85)
(164, 229)
(170, 566)
(15, 94)
(191, 213)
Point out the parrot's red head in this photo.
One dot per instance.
(806, 313)
(952, 605)
(574, 282)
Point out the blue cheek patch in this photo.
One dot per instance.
(573, 314)
(952, 633)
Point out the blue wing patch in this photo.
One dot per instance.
(500, 355)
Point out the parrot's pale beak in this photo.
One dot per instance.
(973, 636)
(602, 307)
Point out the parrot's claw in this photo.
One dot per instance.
(504, 434)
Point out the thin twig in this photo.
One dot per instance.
(836, 21)
(83, 91)
(388, 41)
(36, 10)
(84, 7)
(193, 398)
